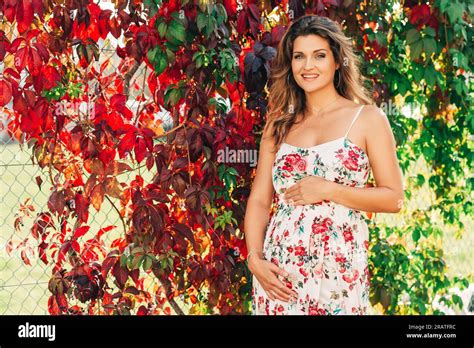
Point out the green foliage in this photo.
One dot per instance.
(424, 74)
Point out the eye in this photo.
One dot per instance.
(321, 56)
(297, 57)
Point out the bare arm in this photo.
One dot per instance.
(388, 195)
(261, 197)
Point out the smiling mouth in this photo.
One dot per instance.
(309, 77)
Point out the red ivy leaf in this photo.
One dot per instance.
(56, 202)
(120, 274)
(4, 45)
(50, 77)
(107, 264)
(140, 150)
(82, 207)
(97, 196)
(34, 62)
(21, 58)
(230, 7)
(81, 231)
(75, 245)
(186, 232)
(104, 230)
(42, 247)
(420, 15)
(53, 307)
(118, 102)
(24, 15)
(25, 258)
(127, 143)
(142, 310)
(5, 92)
(249, 18)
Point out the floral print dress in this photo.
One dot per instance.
(322, 246)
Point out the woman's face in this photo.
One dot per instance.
(312, 57)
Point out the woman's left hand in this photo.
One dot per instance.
(311, 189)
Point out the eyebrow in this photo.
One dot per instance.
(321, 49)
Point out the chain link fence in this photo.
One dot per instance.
(24, 288)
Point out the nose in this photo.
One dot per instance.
(309, 64)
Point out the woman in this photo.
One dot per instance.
(322, 137)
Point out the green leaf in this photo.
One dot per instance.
(429, 45)
(206, 24)
(172, 95)
(455, 11)
(233, 171)
(430, 32)
(412, 36)
(123, 260)
(420, 180)
(152, 6)
(147, 262)
(221, 13)
(430, 76)
(443, 5)
(416, 235)
(158, 58)
(418, 73)
(415, 49)
(176, 33)
(457, 300)
(136, 260)
(162, 28)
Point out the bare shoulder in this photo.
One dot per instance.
(372, 113)
(267, 134)
(373, 119)
(379, 133)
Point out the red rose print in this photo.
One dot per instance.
(301, 165)
(314, 309)
(327, 222)
(294, 162)
(348, 279)
(318, 228)
(350, 163)
(299, 250)
(340, 258)
(292, 159)
(348, 237)
(303, 272)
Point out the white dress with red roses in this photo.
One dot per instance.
(324, 245)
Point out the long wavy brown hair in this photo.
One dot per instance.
(286, 98)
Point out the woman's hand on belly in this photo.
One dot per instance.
(267, 274)
(311, 189)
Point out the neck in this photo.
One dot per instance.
(317, 100)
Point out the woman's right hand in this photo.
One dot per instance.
(267, 273)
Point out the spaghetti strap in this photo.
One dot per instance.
(353, 120)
